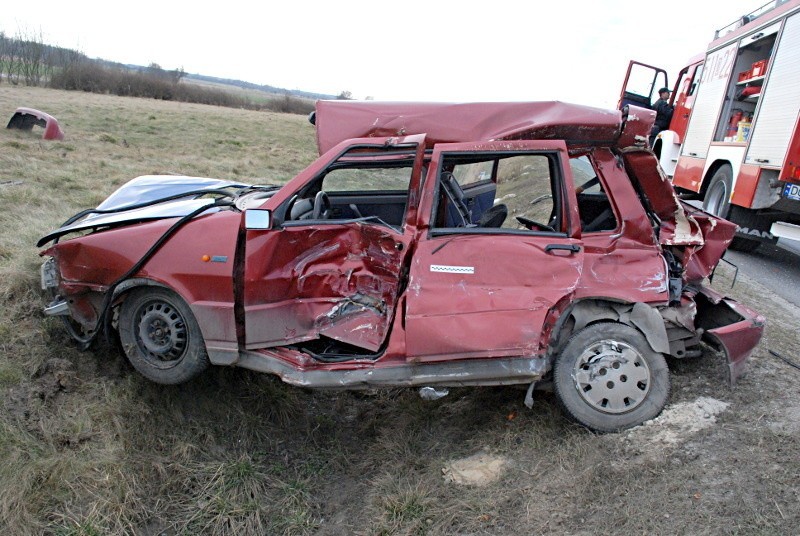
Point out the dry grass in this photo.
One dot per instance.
(88, 447)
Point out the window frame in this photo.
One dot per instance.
(356, 156)
(557, 185)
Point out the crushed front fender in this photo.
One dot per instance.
(730, 328)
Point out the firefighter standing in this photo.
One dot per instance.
(663, 111)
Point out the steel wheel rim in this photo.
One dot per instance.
(717, 197)
(161, 333)
(612, 377)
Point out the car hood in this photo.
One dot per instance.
(145, 198)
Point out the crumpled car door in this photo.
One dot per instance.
(486, 292)
(338, 279)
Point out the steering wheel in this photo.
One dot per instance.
(586, 185)
(534, 225)
(322, 206)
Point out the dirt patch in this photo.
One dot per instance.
(54, 376)
(477, 470)
(680, 421)
(784, 418)
(677, 424)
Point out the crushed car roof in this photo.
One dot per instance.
(475, 121)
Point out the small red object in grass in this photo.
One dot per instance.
(26, 118)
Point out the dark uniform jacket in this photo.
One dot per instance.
(663, 115)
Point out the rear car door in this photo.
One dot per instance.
(482, 284)
(332, 263)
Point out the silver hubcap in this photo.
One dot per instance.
(161, 331)
(612, 377)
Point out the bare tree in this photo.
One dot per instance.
(12, 61)
(3, 53)
(177, 74)
(31, 56)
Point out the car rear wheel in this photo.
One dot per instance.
(607, 378)
(161, 337)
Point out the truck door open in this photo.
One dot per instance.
(641, 85)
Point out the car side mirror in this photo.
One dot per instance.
(257, 219)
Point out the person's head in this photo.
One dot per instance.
(664, 93)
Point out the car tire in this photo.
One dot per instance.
(608, 378)
(160, 336)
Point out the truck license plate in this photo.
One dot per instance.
(792, 191)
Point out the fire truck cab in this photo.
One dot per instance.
(734, 137)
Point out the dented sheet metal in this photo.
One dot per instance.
(732, 328)
(717, 236)
(465, 122)
(677, 227)
(294, 368)
(27, 118)
(340, 281)
(356, 286)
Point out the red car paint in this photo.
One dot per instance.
(26, 118)
(419, 301)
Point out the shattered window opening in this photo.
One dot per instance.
(501, 192)
(594, 207)
(366, 186)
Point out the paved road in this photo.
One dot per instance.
(776, 267)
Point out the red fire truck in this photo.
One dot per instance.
(734, 137)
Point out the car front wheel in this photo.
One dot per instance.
(161, 337)
(607, 378)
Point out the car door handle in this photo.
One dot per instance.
(572, 248)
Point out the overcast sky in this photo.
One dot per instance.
(572, 51)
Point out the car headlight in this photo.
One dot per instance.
(49, 274)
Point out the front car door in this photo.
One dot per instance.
(641, 85)
(332, 264)
(486, 275)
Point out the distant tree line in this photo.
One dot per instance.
(26, 60)
(259, 87)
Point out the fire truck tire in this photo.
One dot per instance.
(717, 199)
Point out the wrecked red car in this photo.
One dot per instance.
(431, 245)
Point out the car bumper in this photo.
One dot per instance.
(731, 328)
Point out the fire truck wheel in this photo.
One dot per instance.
(608, 378)
(160, 336)
(717, 200)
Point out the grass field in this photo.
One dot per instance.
(88, 447)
